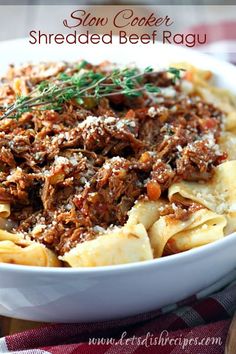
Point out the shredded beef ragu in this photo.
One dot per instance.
(68, 175)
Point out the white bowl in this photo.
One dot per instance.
(93, 294)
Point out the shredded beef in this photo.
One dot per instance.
(70, 174)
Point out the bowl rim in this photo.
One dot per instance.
(182, 257)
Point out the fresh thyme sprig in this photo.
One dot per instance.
(82, 85)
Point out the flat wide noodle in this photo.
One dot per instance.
(145, 212)
(218, 194)
(224, 100)
(227, 143)
(219, 97)
(5, 210)
(16, 250)
(122, 245)
(202, 227)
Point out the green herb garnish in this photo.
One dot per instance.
(81, 85)
(175, 72)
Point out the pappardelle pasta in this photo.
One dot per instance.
(102, 166)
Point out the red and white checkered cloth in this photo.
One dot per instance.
(197, 325)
